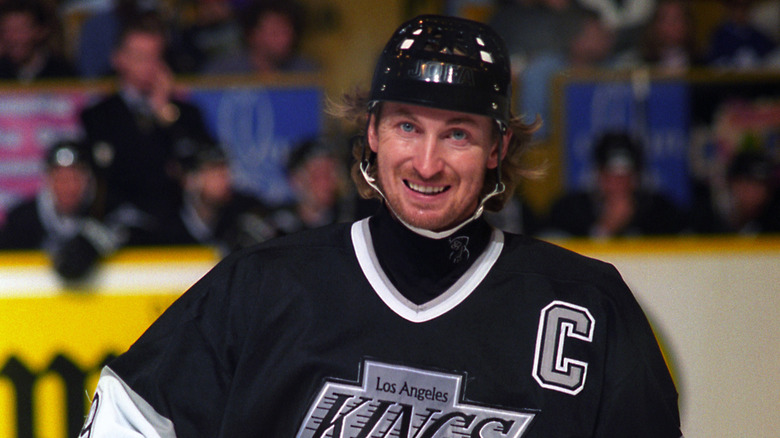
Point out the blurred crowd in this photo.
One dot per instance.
(44, 39)
(60, 38)
(548, 37)
(147, 171)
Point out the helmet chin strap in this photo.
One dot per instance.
(498, 189)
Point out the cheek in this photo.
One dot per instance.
(473, 177)
(476, 161)
(390, 154)
(383, 165)
(68, 190)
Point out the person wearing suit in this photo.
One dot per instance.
(136, 130)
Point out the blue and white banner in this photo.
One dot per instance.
(259, 127)
(658, 116)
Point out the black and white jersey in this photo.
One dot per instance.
(306, 336)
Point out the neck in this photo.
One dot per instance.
(263, 63)
(423, 267)
(435, 235)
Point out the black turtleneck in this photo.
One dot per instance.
(422, 268)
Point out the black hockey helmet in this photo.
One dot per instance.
(448, 63)
(618, 151)
(193, 154)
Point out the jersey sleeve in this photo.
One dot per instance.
(639, 398)
(179, 371)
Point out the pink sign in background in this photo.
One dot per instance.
(29, 124)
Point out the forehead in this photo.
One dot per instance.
(18, 18)
(68, 171)
(417, 112)
(143, 41)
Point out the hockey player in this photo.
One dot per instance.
(421, 321)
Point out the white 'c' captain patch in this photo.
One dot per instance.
(403, 402)
(561, 322)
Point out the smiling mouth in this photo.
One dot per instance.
(426, 190)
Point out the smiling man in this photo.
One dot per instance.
(420, 321)
(432, 162)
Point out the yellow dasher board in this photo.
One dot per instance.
(54, 337)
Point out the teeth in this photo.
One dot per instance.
(425, 189)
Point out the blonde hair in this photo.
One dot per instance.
(354, 107)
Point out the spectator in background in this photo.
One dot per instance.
(98, 35)
(317, 175)
(28, 52)
(751, 203)
(668, 42)
(593, 44)
(516, 217)
(625, 18)
(618, 205)
(70, 217)
(272, 30)
(736, 42)
(212, 32)
(765, 16)
(213, 212)
(589, 45)
(135, 131)
(533, 28)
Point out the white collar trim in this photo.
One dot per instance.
(387, 292)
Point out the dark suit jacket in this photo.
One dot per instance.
(23, 228)
(53, 67)
(136, 158)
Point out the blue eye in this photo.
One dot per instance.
(459, 135)
(407, 127)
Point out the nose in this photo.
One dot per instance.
(427, 160)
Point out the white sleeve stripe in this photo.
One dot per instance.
(121, 412)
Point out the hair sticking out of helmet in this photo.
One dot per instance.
(446, 62)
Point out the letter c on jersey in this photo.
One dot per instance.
(558, 322)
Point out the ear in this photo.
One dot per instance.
(371, 134)
(493, 157)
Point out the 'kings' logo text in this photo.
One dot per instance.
(406, 403)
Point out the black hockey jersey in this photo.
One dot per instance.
(305, 336)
